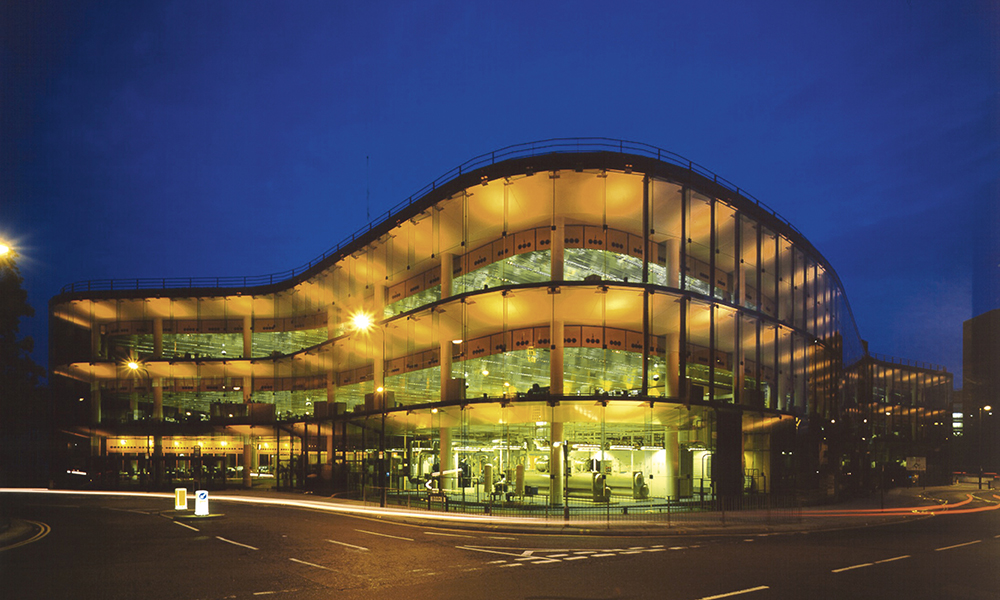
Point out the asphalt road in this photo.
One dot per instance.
(110, 547)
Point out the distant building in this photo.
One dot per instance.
(981, 389)
(588, 319)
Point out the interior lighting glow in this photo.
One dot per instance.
(121, 442)
(485, 372)
(224, 443)
(362, 321)
(541, 423)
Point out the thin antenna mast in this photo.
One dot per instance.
(368, 194)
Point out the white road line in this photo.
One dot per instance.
(656, 550)
(851, 567)
(542, 562)
(302, 562)
(576, 558)
(348, 545)
(395, 537)
(494, 537)
(633, 552)
(496, 562)
(879, 562)
(957, 546)
(512, 565)
(585, 552)
(188, 526)
(235, 543)
(602, 555)
(449, 534)
(263, 593)
(558, 555)
(746, 591)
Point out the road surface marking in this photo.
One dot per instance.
(512, 565)
(585, 552)
(43, 530)
(235, 543)
(878, 562)
(395, 537)
(348, 545)
(527, 558)
(633, 552)
(449, 534)
(602, 555)
(542, 562)
(496, 537)
(188, 526)
(302, 562)
(576, 558)
(852, 567)
(558, 555)
(263, 593)
(656, 550)
(496, 562)
(746, 591)
(957, 546)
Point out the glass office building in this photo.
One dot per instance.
(587, 319)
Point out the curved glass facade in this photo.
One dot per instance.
(596, 325)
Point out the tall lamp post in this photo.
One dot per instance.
(982, 441)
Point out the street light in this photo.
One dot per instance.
(982, 445)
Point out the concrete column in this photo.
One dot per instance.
(558, 249)
(331, 389)
(739, 366)
(447, 482)
(247, 464)
(674, 263)
(672, 471)
(157, 384)
(673, 351)
(95, 340)
(447, 266)
(557, 334)
(557, 467)
(157, 338)
(378, 338)
(247, 336)
(133, 405)
(332, 321)
(95, 403)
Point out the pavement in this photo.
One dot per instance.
(895, 506)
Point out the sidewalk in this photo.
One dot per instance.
(864, 512)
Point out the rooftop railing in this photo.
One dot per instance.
(894, 360)
(526, 150)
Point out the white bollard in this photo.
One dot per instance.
(180, 499)
(201, 503)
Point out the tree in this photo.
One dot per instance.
(23, 429)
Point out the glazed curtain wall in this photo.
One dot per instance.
(642, 452)
(730, 310)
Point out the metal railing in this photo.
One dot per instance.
(525, 150)
(895, 360)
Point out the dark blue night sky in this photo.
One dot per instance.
(230, 138)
